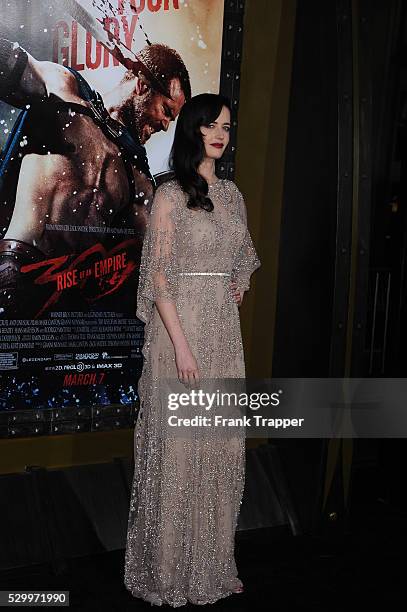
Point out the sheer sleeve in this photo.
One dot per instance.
(246, 261)
(158, 266)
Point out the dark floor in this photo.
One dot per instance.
(280, 572)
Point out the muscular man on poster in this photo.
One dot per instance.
(73, 171)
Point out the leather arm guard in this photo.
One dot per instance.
(13, 60)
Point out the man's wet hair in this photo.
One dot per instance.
(163, 64)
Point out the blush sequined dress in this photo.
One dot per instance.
(186, 494)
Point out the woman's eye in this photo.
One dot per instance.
(211, 125)
(226, 128)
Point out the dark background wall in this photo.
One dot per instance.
(308, 225)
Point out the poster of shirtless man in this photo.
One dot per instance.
(83, 160)
(89, 94)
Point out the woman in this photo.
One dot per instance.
(187, 493)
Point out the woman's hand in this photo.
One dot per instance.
(237, 293)
(187, 366)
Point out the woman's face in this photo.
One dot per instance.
(216, 135)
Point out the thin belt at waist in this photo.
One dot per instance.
(204, 273)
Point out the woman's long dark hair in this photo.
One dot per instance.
(188, 149)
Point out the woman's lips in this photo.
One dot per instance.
(218, 145)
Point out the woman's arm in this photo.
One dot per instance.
(247, 260)
(185, 361)
(169, 315)
(158, 280)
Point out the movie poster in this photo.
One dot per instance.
(90, 92)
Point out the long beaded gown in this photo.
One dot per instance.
(186, 493)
